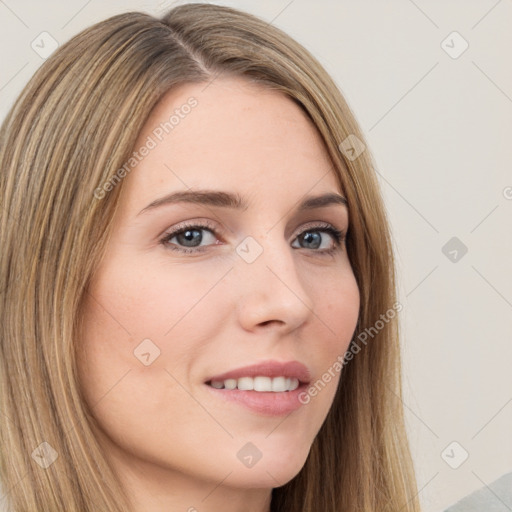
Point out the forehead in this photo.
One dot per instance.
(229, 134)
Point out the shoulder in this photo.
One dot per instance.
(495, 497)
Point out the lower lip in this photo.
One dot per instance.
(263, 402)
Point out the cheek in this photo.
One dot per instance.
(127, 305)
(124, 307)
(337, 310)
(143, 301)
(337, 300)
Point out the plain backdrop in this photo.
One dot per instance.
(438, 120)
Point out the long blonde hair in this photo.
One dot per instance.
(71, 129)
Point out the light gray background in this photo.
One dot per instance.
(439, 128)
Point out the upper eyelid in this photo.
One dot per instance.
(188, 225)
(208, 225)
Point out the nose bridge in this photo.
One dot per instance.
(270, 286)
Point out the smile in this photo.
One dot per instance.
(259, 383)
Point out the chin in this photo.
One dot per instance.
(262, 479)
(269, 472)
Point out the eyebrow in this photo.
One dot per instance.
(234, 201)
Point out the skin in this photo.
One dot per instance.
(173, 445)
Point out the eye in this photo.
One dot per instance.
(190, 238)
(324, 239)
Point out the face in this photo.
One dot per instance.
(195, 286)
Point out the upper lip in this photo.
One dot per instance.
(291, 369)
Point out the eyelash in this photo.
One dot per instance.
(336, 234)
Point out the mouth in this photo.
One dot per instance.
(260, 384)
(269, 388)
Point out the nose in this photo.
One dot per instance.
(271, 292)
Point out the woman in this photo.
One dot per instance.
(188, 321)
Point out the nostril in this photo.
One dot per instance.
(269, 322)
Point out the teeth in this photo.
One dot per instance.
(230, 383)
(265, 384)
(245, 383)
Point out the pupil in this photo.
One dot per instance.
(312, 239)
(190, 235)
